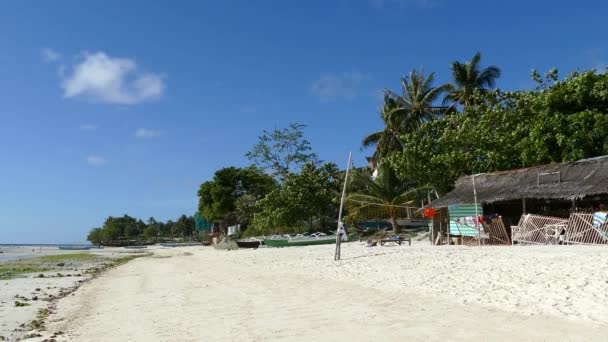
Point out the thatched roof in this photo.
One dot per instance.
(571, 180)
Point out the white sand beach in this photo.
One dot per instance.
(417, 293)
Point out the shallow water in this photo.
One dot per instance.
(15, 257)
(14, 252)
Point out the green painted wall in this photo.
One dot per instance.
(459, 211)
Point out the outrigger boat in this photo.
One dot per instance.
(302, 240)
(75, 248)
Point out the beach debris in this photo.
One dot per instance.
(61, 264)
(37, 324)
(42, 313)
(32, 335)
(19, 304)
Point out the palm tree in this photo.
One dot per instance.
(416, 104)
(470, 78)
(405, 113)
(387, 140)
(385, 196)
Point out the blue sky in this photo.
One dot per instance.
(114, 107)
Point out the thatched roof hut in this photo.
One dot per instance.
(560, 181)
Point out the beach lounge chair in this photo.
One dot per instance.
(396, 239)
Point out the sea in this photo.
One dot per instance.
(13, 251)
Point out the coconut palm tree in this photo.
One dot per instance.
(406, 112)
(385, 196)
(417, 100)
(469, 78)
(386, 140)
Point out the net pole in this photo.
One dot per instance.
(340, 225)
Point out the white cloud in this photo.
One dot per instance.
(146, 133)
(50, 55)
(96, 160)
(102, 78)
(338, 86)
(88, 127)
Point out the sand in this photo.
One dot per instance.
(417, 293)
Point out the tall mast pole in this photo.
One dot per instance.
(341, 228)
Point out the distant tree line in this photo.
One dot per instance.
(123, 228)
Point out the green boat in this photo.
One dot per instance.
(300, 240)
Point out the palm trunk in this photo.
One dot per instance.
(395, 226)
(393, 221)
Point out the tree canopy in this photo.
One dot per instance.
(126, 227)
(469, 78)
(309, 199)
(558, 121)
(219, 197)
(281, 151)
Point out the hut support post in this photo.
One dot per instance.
(476, 213)
(573, 205)
(523, 202)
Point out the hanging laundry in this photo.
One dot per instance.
(599, 218)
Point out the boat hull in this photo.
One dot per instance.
(303, 242)
(249, 244)
(70, 248)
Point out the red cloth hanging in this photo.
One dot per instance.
(429, 212)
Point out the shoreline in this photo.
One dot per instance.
(414, 293)
(30, 291)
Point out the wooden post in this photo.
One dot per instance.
(573, 205)
(433, 231)
(523, 200)
(476, 213)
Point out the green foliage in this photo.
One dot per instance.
(19, 304)
(124, 260)
(10, 271)
(130, 228)
(184, 226)
(558, 121)
(96, 236)
(66, 257)
(280, 151)
(42, 313)
(151, 231)
(218, 197)
(383, 196)
(470, 79)
(405, 113)
(309, 198)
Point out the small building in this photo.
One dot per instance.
(554, 190)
